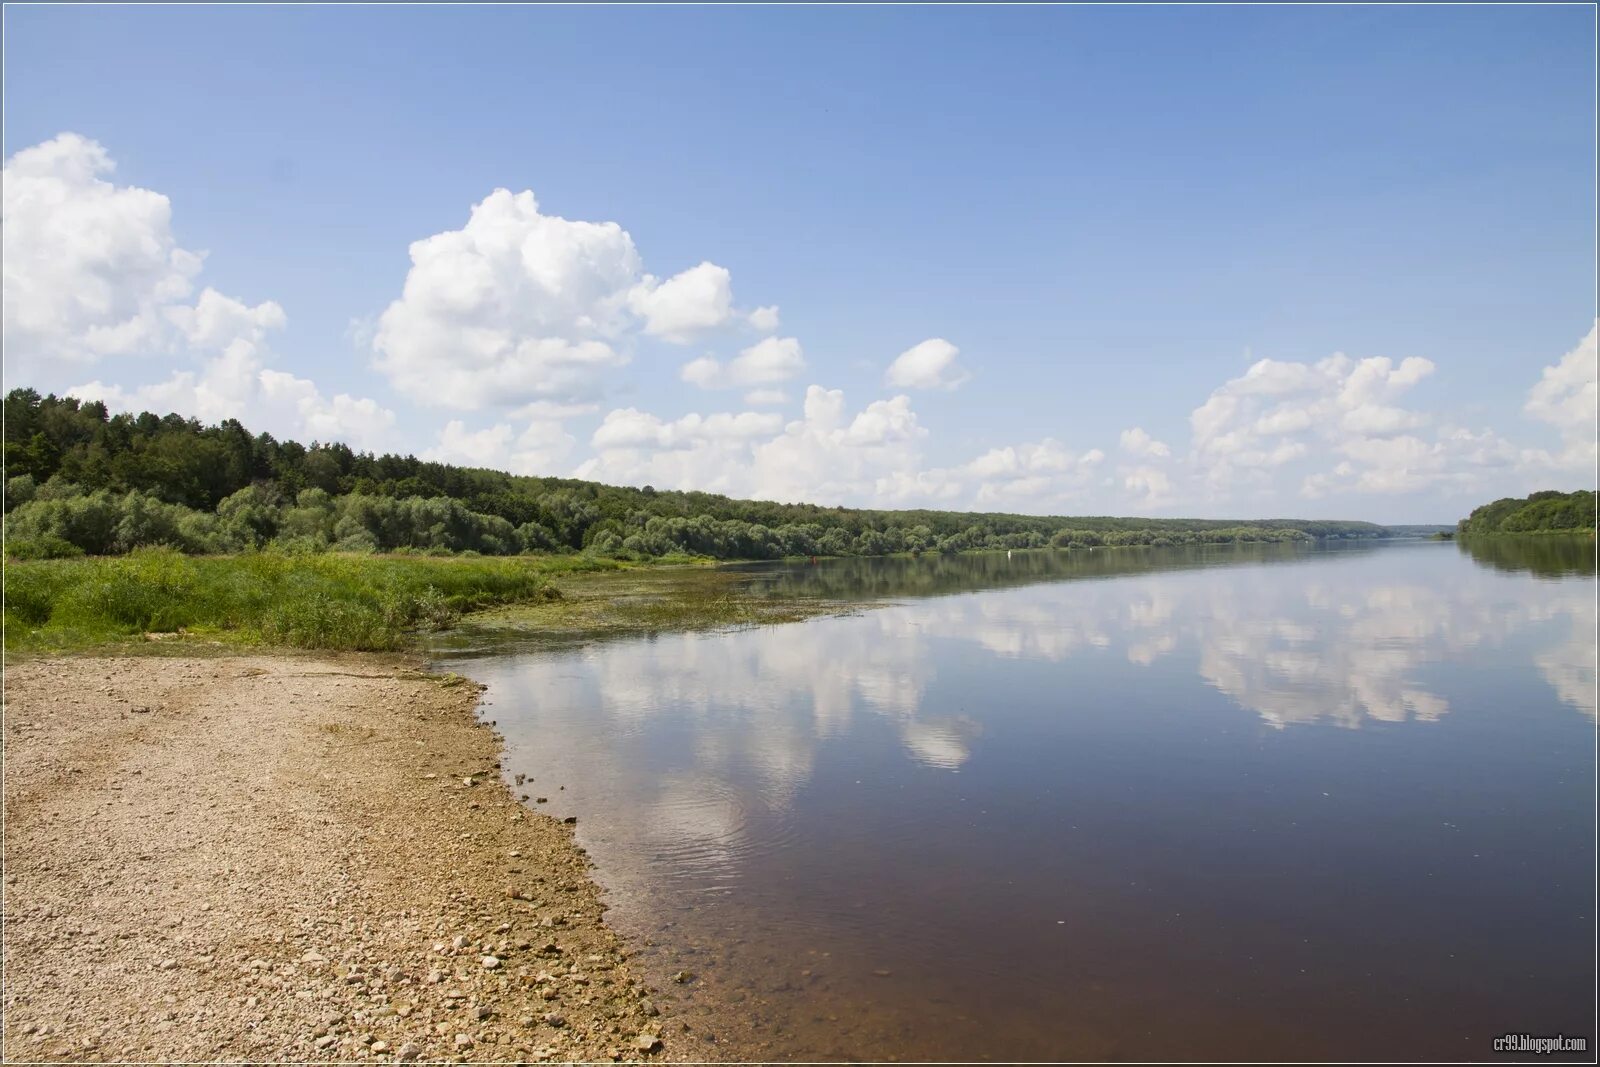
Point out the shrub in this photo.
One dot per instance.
(45, 546)
(20, 490)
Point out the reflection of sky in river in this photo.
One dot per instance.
(764, 772)
(1335, 644)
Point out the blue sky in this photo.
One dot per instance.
(1112, 215)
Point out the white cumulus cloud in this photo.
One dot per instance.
(1139, 443)
(519, 305)
(1274, 414)
(630, 428)
(1036, 476)
(514, 306)
(541, 448)
(685, 305)
(767, 362)
(94, 271)
(1564, 397)
(928, 365)
(91, 268)
(764, 319)
(236, 385)
(826, 455)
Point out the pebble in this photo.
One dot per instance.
(285, 993)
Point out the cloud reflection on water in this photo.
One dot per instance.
(1340, 646)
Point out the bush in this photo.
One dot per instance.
(46, 546)
(20, 490)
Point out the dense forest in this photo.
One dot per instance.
(1546, 512)
(82, 481)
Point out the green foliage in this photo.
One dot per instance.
(20, 490)
(326, 600)
(46, 546)
(1549, 511)
(111, 484)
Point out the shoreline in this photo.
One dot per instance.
(279, 856)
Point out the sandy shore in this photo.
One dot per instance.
(280, 858)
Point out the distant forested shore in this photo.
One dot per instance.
(80, 480)
(1550, 511)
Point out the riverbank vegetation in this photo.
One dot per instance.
(82, 481)
(1548, 512)
(328, 601)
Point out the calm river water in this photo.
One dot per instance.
(1225, 803)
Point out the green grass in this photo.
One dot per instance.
(328, 601)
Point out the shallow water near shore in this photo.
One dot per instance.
(1252, 802)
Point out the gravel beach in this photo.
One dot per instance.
(295, 858)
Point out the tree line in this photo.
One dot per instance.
(81, 480)
(1549, 511)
